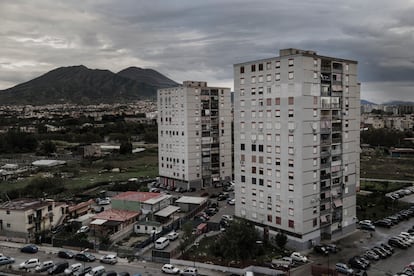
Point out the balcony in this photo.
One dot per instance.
(336, 140)
(325, 153)
(325, 130)
(325, 165)
(325, 176)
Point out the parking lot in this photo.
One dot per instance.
(360, 241)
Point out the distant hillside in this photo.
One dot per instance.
(147, 76)
(81, 85)
(367, 102)
(398, 103)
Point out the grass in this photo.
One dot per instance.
(144, 164)
(385, 167)
(382, 187)
(376, 206)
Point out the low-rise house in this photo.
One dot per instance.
(22, 219)
(145, 202)
(113, 223)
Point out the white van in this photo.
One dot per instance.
(162, 243)
(96, 271)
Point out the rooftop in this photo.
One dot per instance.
(116, 215)
(136, 196)
(25, 204)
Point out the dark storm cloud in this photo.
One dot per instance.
(202, 40)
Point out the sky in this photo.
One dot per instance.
(202, 39)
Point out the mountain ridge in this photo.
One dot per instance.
(81, 85)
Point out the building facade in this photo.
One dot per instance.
(25, 218)
(194, 135)
(296, 126)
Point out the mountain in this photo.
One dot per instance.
(367, 102)
(147, 76)
(81, 85)
(398, 103)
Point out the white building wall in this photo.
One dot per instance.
(291, 146)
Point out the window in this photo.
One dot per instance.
(242, 92)
(254, 180)
(315, 222)
(291, 224)
(253, 147)
(291, 100)
(291, 188)
(290, 62)
(315, 75)
(268, 77)
(268, 101)
(277, 64)
(268, 65)
(291, 163)
(261, 78)
(243, 178)
(277, 77)
(277, 137)
(8, 212)
(242, 103)
(241, 69)
(290, 75)
(277, 101)
(241, 80)
(269, 218)
(290, 138)
(277, 162)
(253, 91)
(291, 212)
(290, 113)
(278, 220)
(260, 66)
(242, 147)
(277, 113)
(291, 175)
(253, 80)
(269, 90)
(277, 208)
(260, 90)
(254, 203)
(253, 68)
(277, 149)
(315, 112)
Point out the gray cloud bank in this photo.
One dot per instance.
(201, 40)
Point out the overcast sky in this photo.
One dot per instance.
(201, 39)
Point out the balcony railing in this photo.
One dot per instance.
(325, 176)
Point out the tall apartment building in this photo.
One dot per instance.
(194, 135)
(297, 145)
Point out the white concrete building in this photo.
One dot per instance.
(24, 218)
(296, 146)
(194, 135)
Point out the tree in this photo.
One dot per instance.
(47, 147)
(238, 242)
(281, 240)
(187, 236)
(125, 148)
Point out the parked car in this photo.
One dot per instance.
(83, 229)
(103, 201)
(189, 271)
(344, 269)
(58, 268)
(297, 257)
(44, 266)
(73, 268)
(83, 271)
(4, 260)
(371, 255)
(170, 269)
(386, 251)
(58, 228)
(109, 259)
(231, 201)
(66, 254)
(383, 223)
(227, 217)
(356, 262)
(211, 211)
(30, 248)
(386, 246)
(365, 225)
(397, 243)
(320, 249)
(379, 252)
(30, 263)
(172, 236)
(85, 257)
(332, 248)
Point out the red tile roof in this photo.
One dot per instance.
(116, 215)
(136, 196)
